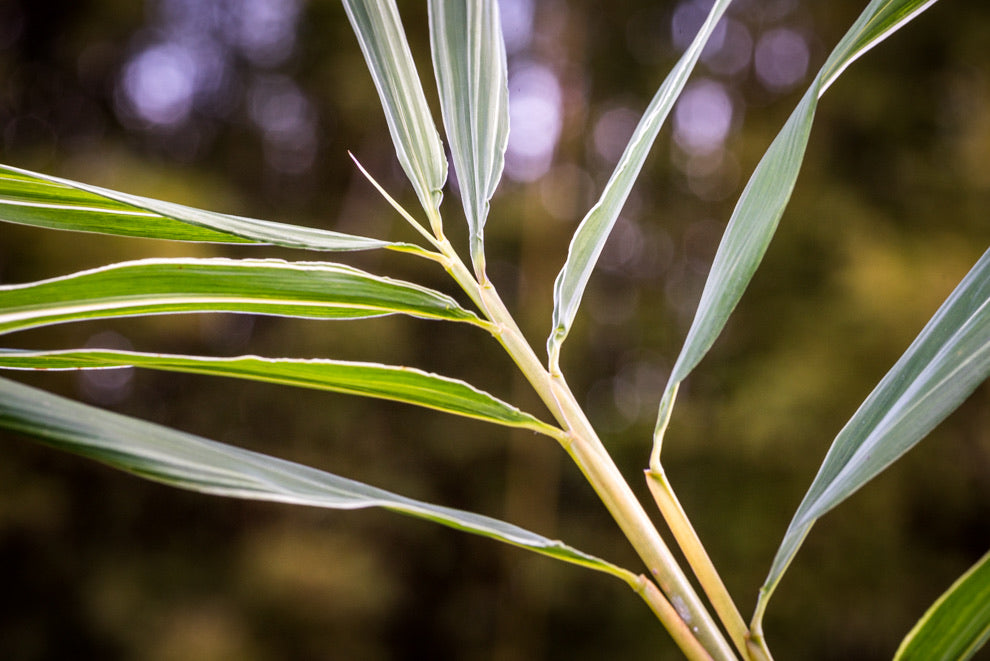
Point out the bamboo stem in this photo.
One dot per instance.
(601, 471)
(590, 455)
(681, 634)
(698, 558)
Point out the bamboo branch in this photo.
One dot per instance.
(587, 451)
(698, 558)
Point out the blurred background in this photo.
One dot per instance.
(250, 106)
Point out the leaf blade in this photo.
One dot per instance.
(190, 462)
(40, 200)
(957, 625)
(379, 31)
(593, 231)
(761, 204)
(313, 290)
(941, 368)
(472, 77)
(400, 384)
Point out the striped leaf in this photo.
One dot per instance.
(190, 462)
(400, 384)
(591, 235)
(762, 202)
(957, 625)
(31, 198)
(417, 144)
(314, 290)
(940, 369)
(472, 76)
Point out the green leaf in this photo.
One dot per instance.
(401, 384)
(762, 202)
(472, 76)
(591, 235)
(417, 144)
(944, 364)
(314, 290)
(190, 462)
(957, 625)
(31, 198)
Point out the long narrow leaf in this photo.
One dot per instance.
(589, 239)
(401, 384)
(417, 144)
(472, 76)
(944, 364)
(315, 290)
(190, 462)
(762, 202)
(957, 625)
(32, 198)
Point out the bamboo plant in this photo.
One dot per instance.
(949, 358)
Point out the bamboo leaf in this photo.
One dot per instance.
(944, 364)
(472, 76)
(314, 290)
(589, 239)
(190, 462)
(957, 625)
(32, 198)
(400, 384)
(762, 202)
(417, 144)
